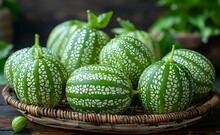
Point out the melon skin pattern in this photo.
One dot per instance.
(128, 28)
(128, 54)
(99, 89)
(40, 79)
(58, 37)
(16, 58)
(19, 123)
(83, 48)
(148, 41)
(165, 87)
(201, 68)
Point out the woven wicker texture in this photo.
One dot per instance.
(133, 121)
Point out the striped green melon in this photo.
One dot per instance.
(40, 79)
(16, 58)
(12, 62)
(19, 123)
(128, 54)
(99, 89)
(58, 37)
(83, 48)
(165, 87)
(148, 41)
(129, 29)
(201, 68)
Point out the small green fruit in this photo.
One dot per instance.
(40, 79)
(202, 70)
(128, 54)
(19, 124)
(99, 89)
(165, 87)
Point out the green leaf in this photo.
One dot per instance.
(92, 20)
(5, 48)
(198, 19)
(207, 32)
(118, 31)
(98, 22)
(164, 2)
(215, 16)
(77, 22)
(126, 24)
(104, 19)
(2, 78)
(170, 20)
(190, 16)
(163, 23)
(179, 3)
(166, 41)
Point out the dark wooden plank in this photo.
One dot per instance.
(7, 113)
(6, 132)
(2, 102)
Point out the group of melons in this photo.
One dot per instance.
(101, 75)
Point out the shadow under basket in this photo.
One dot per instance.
(132, 121)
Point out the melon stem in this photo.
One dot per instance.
(172, 54)
(36, 39)
(134, 92)
(37, 47)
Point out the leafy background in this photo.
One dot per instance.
(190, 16)
(5, 49)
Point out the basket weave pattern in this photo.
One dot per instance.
(133, 116)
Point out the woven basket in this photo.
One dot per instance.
(133, 121)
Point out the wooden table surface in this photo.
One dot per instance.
(209, 125)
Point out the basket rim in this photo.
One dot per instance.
(62, 114)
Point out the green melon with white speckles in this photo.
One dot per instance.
(99, 89)
(148, 41)
(40, 79)
(165, 87)
(12, 63)
(128, 28)
(83, 48)
(128, 54)
(58, 37)
(202, 70)
(19, 123)
(16, 58)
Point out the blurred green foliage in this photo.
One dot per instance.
(5, 49)
(190, 16)
(13, 6)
